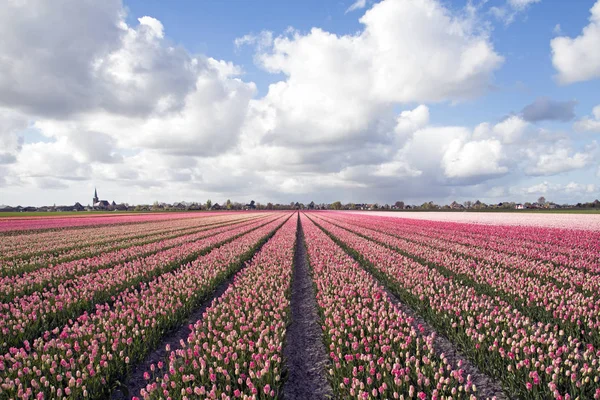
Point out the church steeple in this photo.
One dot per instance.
(95, 196)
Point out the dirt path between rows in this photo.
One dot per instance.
(487, 387)
(304, 352)
(136, 381)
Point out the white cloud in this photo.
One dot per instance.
(413, 120)
(589, 124)
(41, 162)
(47, 49)
(558, 158)
(357, 5)
(472, 159)
(155, 25)
(573, 187)
(577, 59)
(340, 87)
(509, 131)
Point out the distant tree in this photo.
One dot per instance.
(399, 204)
(208, 204)
(336, 205)
(429, 206)
(228, 204)
(269, 206)
(311, 205)
(541, 200)
(468, 204)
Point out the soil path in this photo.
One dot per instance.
(136, 381)
(304, 351)
(487, 387)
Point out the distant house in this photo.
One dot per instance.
(98, 204)
(121, 207)
(519, 207)
(456, 206)
(216, 206)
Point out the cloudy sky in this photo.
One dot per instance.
(372, 101)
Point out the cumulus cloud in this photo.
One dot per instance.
(115, 88)
(591, 123)
(40, 162)
(577, 59)
(39, 72)
(107, 64)
(558, 158)
(412, 120)
(475, 158)
(546, 109)
(508, 131)
(341, 87)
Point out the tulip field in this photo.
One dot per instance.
(201, 306)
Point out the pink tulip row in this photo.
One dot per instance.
(53, 276)
(575, 249)
(37, 223)
(26, 317)
(374, 349)
(579, 222)
(88, 355)
(534, 360)
(31, 243)
(579, 278)
(235, 350)
(577, 313)
(25, 244)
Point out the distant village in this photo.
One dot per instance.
(104, 205)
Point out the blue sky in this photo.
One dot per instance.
(157, 97)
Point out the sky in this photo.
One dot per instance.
(356, 101)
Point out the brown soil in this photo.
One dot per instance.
(306, 360)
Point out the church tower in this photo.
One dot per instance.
(95, 200)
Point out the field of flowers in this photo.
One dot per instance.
(187, 306)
